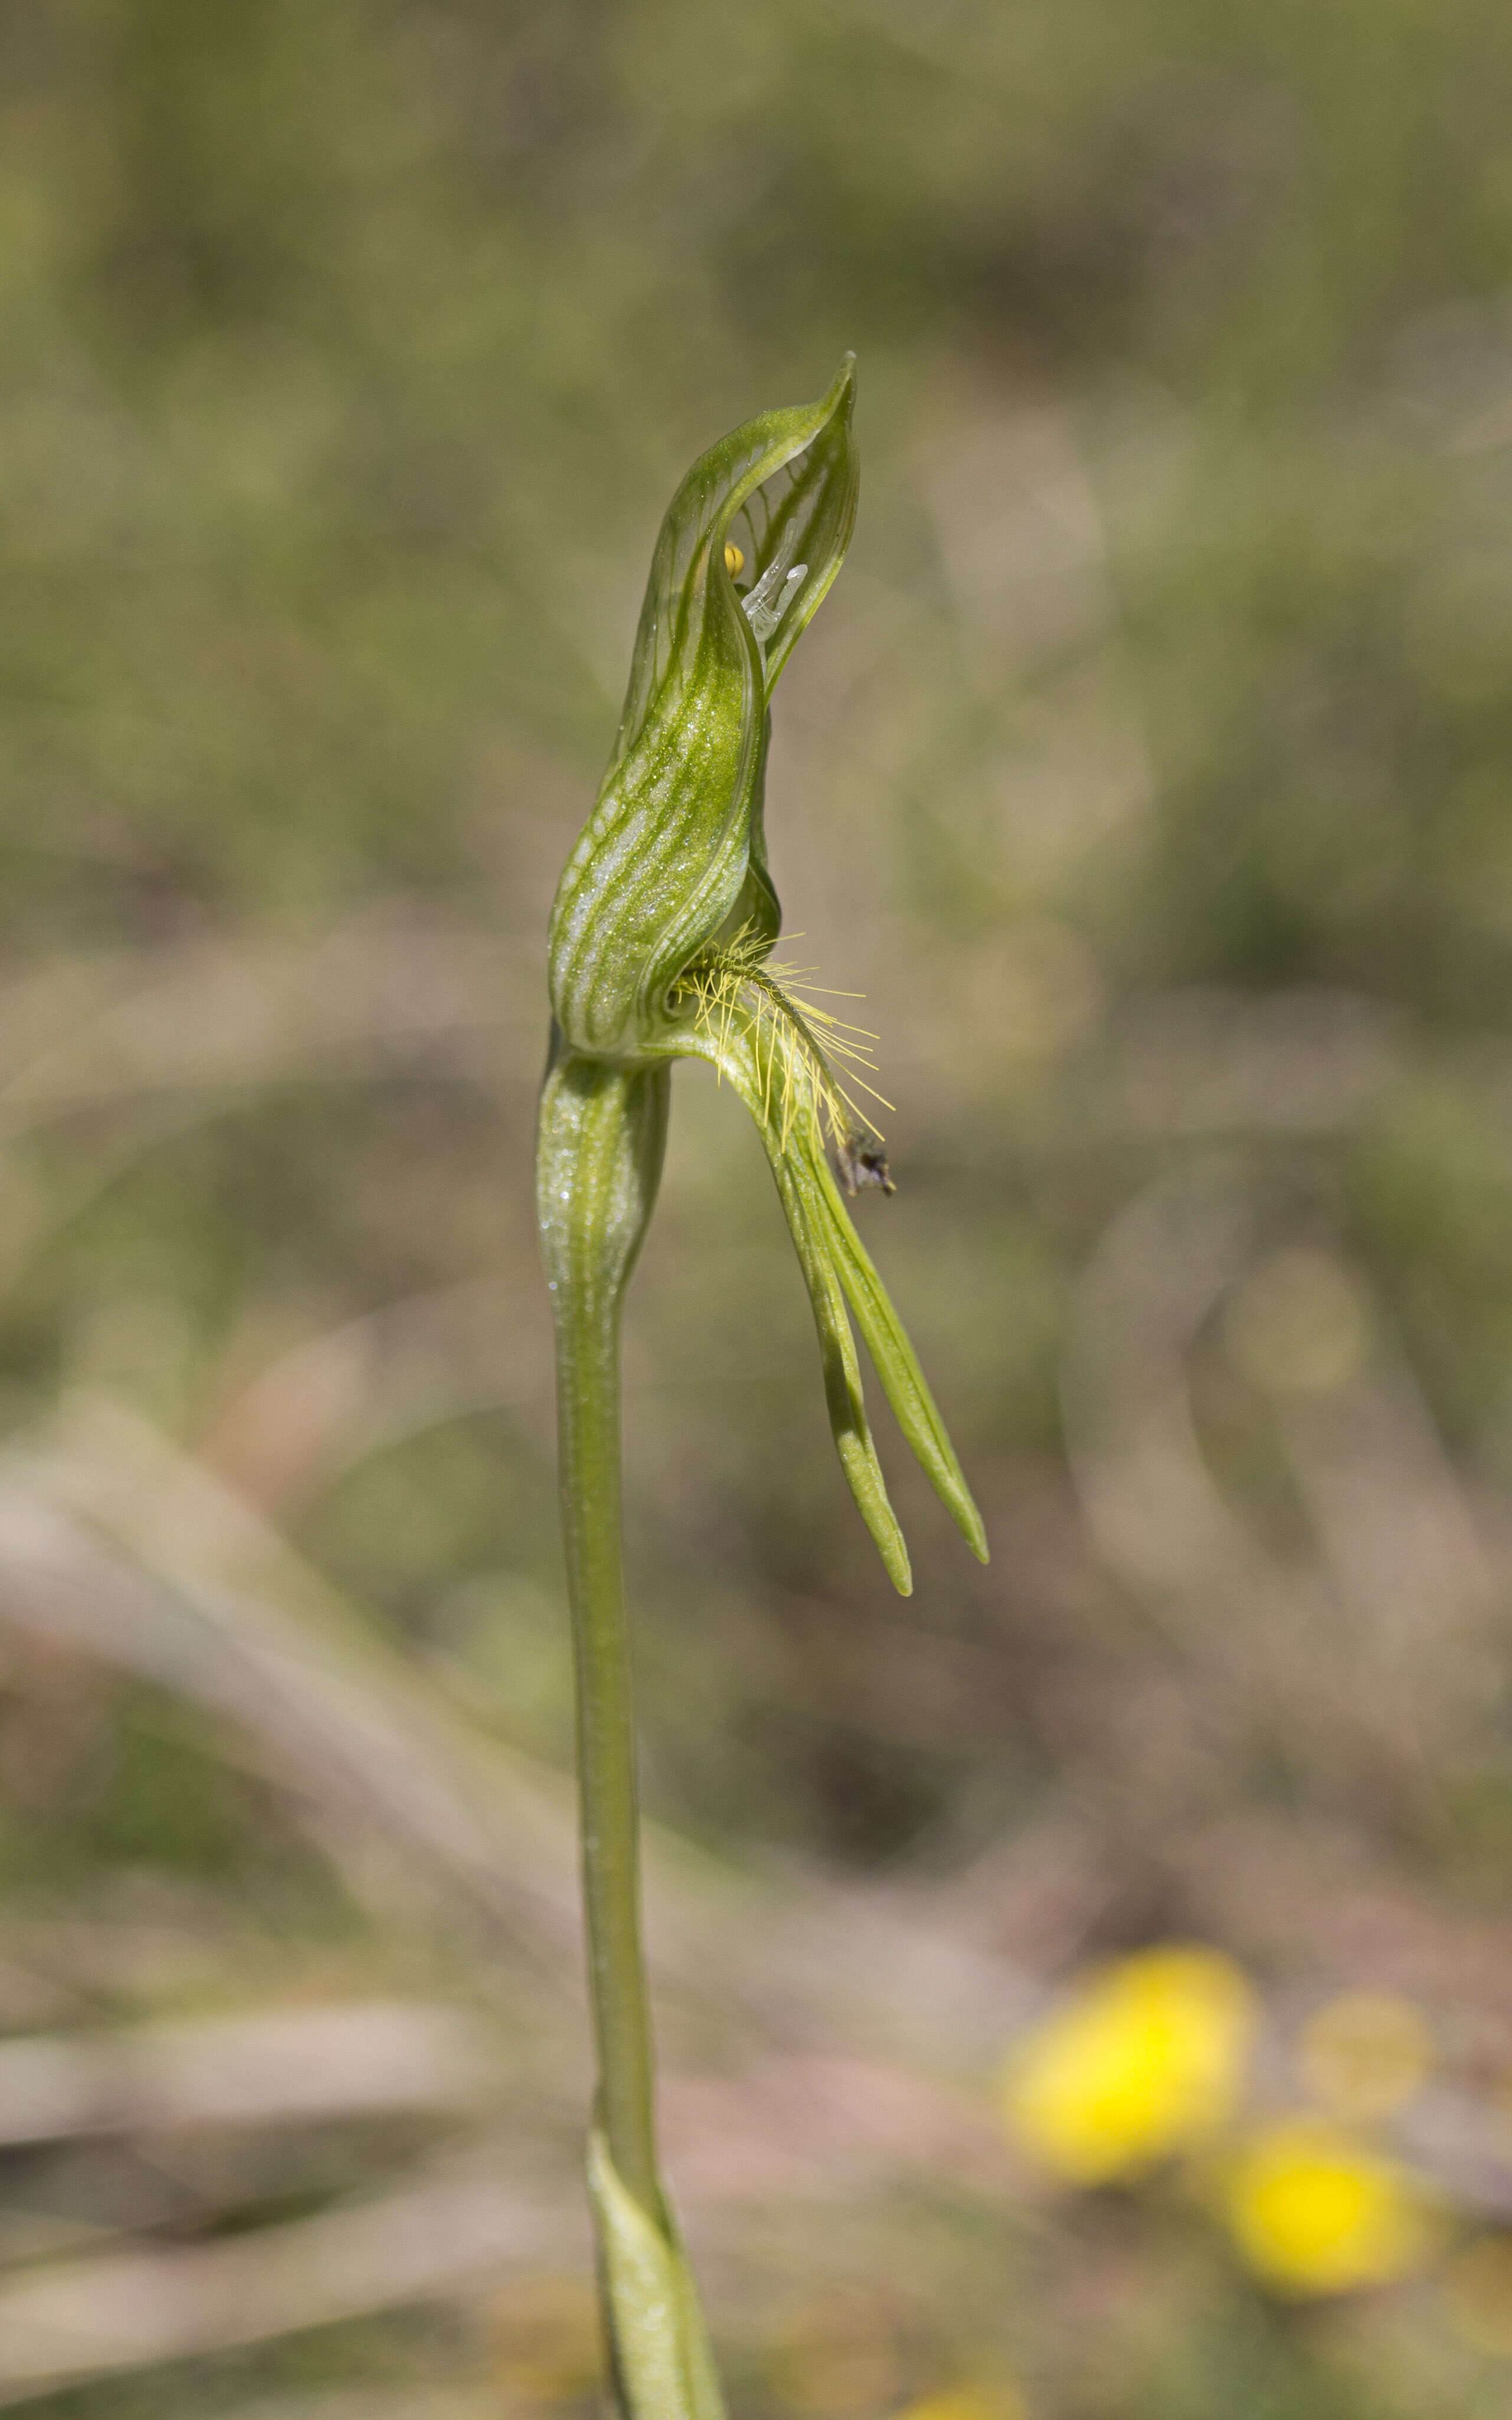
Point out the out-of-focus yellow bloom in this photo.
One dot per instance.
(1365, 2053)
(1145, 2059)
(970, 2403)
(1477, 2286)
(1316, 2212)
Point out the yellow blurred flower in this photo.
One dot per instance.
(1145, 2059)
(969, 2403)
(1366, 2053)
(1316, 2212)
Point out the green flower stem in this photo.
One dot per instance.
(603, 1131)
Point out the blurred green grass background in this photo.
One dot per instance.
(1148, 770)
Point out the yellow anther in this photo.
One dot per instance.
(734, 560)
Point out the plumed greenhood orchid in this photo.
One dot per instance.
(666, 915)
(661, 949)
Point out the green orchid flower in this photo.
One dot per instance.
(661, 949)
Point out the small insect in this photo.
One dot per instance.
(733, 559)
(861, 1160)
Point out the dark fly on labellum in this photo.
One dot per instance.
(862, 1161)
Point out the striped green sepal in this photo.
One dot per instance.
(673, 850)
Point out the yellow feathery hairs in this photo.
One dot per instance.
(794, 1040)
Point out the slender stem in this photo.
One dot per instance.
(602, 1134)
(588, 1384)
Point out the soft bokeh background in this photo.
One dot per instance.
(1149, 770)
